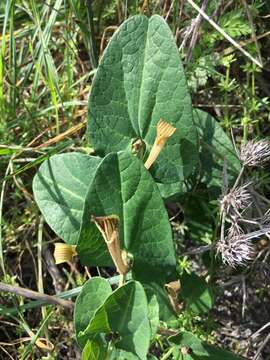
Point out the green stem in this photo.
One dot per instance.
(93, 49)
(226, 111)
(167, 355)
(246, 117)
(63, 295)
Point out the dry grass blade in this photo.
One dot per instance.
(62, 136)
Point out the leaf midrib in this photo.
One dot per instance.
(141, 84)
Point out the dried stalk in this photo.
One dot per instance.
(35, 295)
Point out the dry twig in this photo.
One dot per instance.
(35, 295)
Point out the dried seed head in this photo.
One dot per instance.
(64, 252)
(236, 200)
(236, 252)
(255, 153)
(235, 230)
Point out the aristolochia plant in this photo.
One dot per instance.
(109, 210)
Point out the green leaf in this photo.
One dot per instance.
(200, 215)
(153, 315)
(122, 355)
(217, 353)
(123, 187)
(59, 187)
(93, 294)
(196, 293)
(94, 350)
(199, 350)
(166, 312)
(215, 148)
(172, 191)
(123, 314)
(140, 80)
(188, 340)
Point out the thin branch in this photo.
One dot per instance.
(35, 295)
(265, 326)
(243, 43)
(223, 33)
(258, 353)
(254, 37)
(93, 49)
(195, 32)
(199, 250)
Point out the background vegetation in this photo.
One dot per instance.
(49, 53)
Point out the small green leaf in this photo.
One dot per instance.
(217, 353)
(122, 355)
(59, 187)
(94, 349)
(215, 147)
(123, 187)
(153, 314)
(188, 340)
(198, 349)
(140, 80)
(94, 292)
(195, 293)
(124, 314)
(166, 312)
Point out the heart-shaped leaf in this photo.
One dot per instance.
(140, 80)
(124, 315)
(123, 187)
(59, 187)
(93, 294)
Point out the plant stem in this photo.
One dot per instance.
(238, 178)
(34, 295)
(63, 295)
(93, 49)
(122, 280)
(226, 110)
(167, 355)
